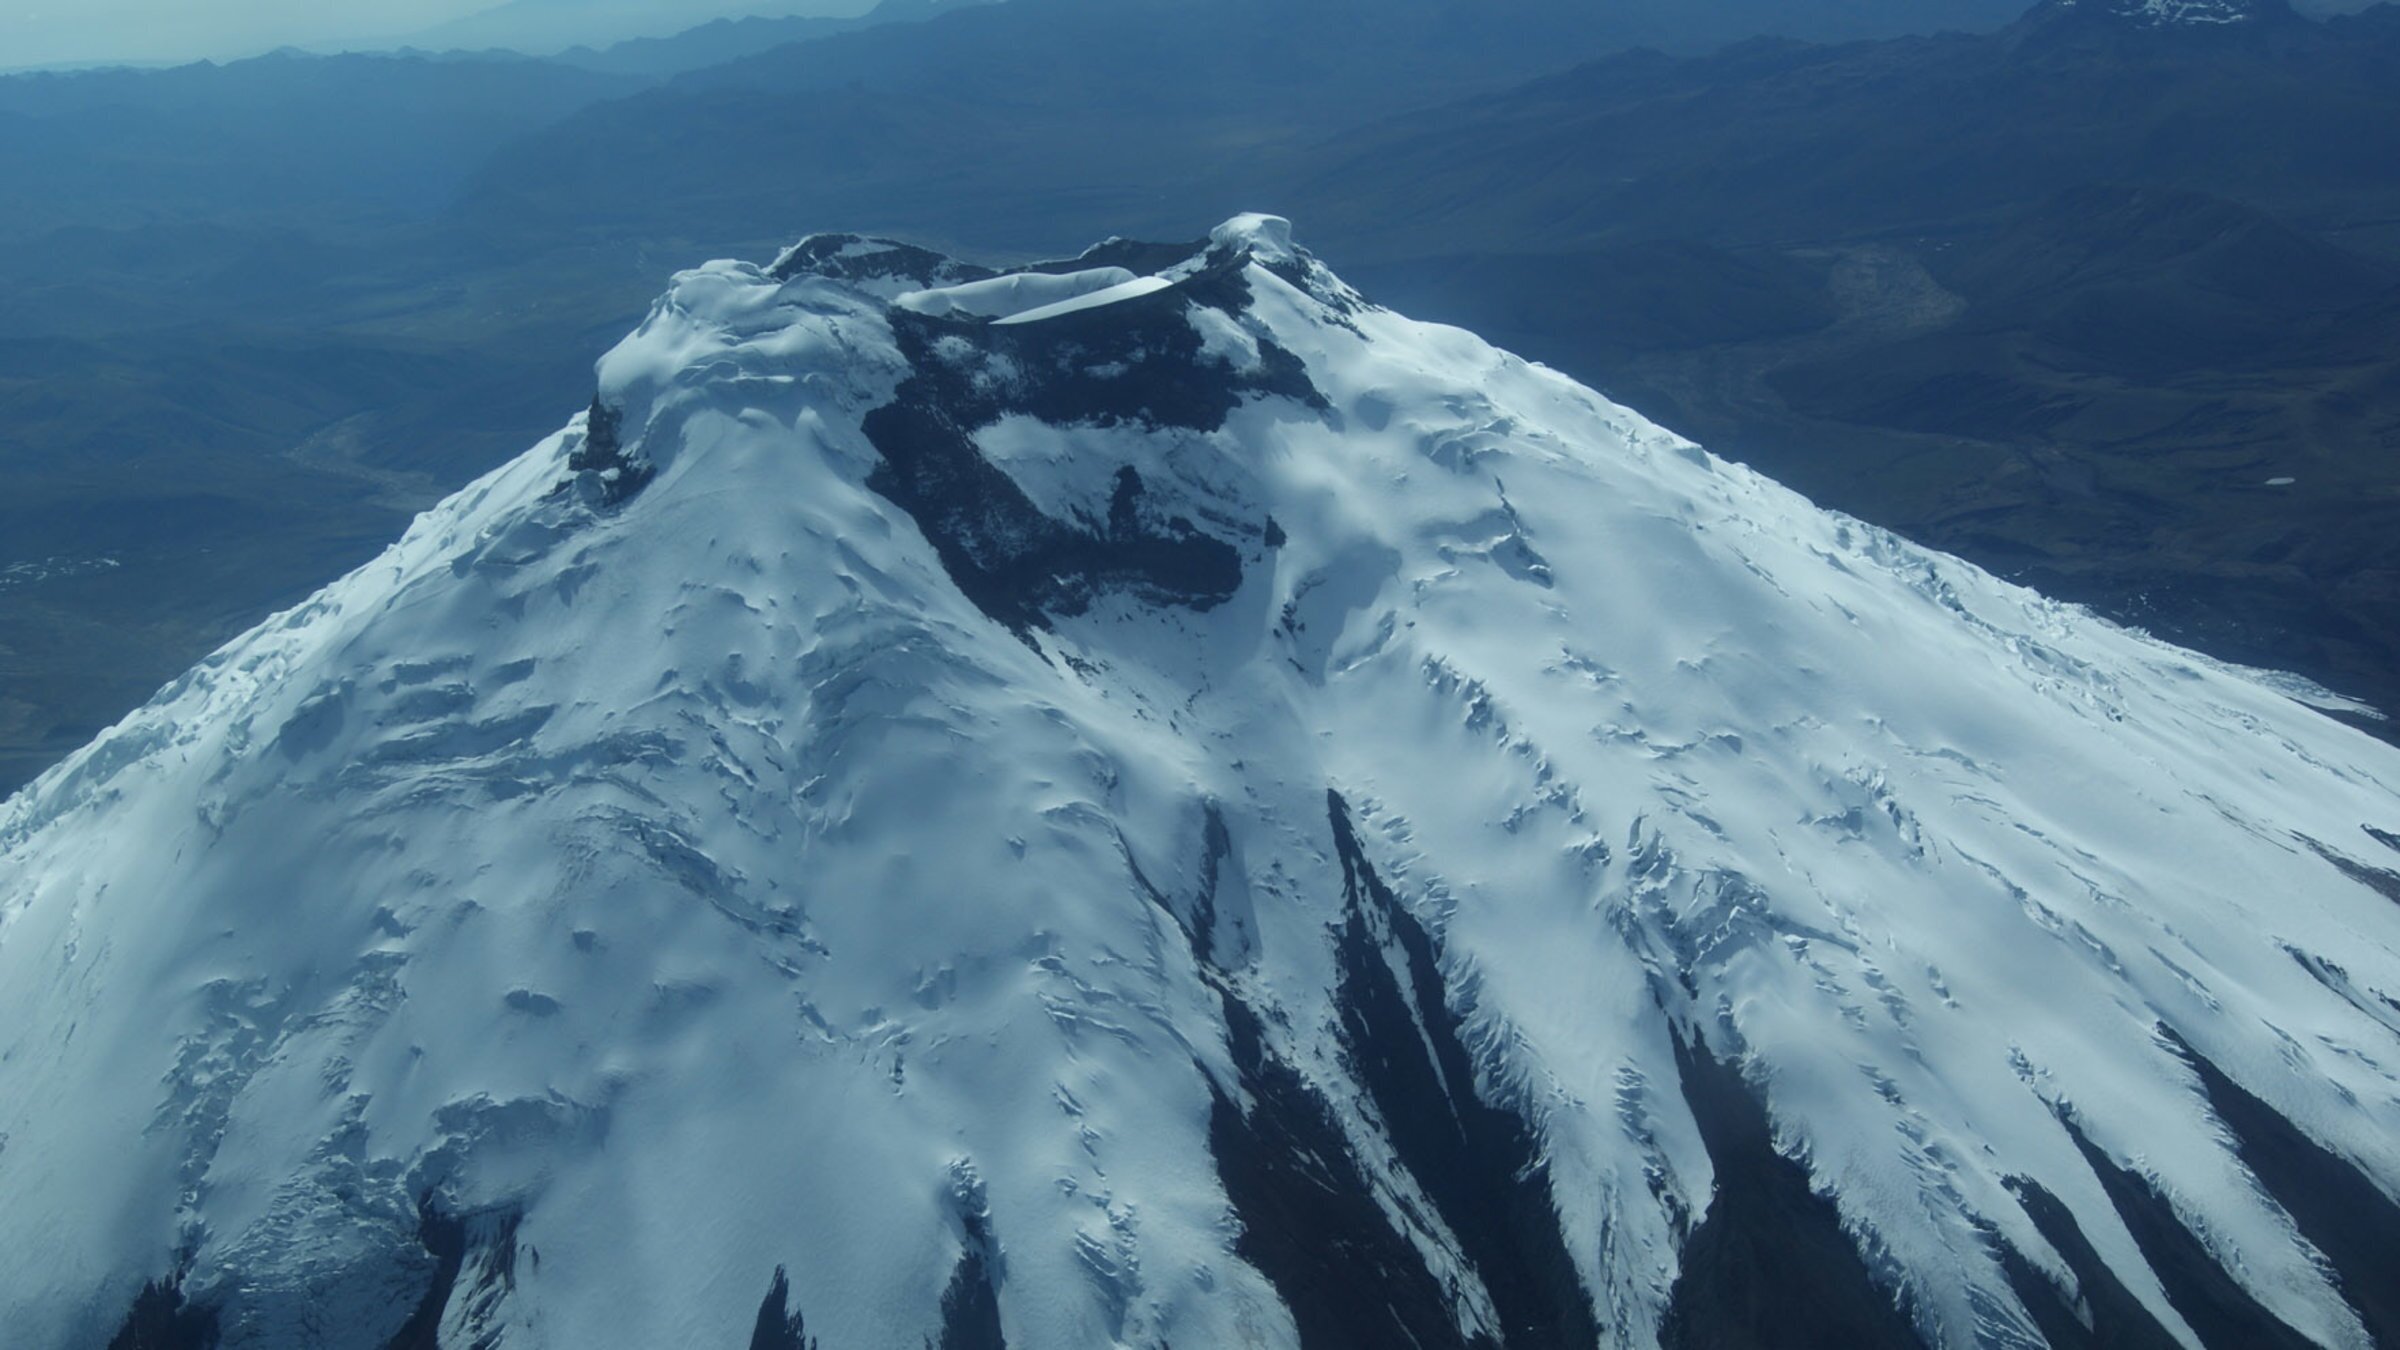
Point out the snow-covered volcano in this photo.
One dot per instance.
(1152, 802)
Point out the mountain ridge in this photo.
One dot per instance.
(2171, 13)
(1035, 806)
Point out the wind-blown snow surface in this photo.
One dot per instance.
(1210, 819)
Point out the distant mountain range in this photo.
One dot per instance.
(544, 27)
(283, 142)
(731, 39)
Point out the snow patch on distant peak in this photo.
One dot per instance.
(1016, 293)
(885, 268)
(1265, 238)
(1223, 339)
(1131, 288)
(2173, 13)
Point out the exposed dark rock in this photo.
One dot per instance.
(1225, 914)
(1197, 917)
(1481, 1166)
(445, 1239)
(851, 257)
(2220, 1311)
(492, 1241)
(780, 1326)
(601, 457)
(1216, 845)
(480, 1246)
(161, 1320)
(1131, 254)
(2102, 1314)
(1019, 565)
(2342, 1212)
(1137, 361)
(1314, 280)
(2335, 977)
(2383, 837)
(1769, 1267)
(2379, 880)
(971, 1305)
(1310, 1222)
(314, 724)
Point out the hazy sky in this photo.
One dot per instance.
(44, 32)
(37, 32)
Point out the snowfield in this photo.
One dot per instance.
(1206, 814)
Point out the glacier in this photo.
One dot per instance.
(1152, 801)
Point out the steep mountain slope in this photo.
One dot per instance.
(1149, 801)
(2104, 304)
